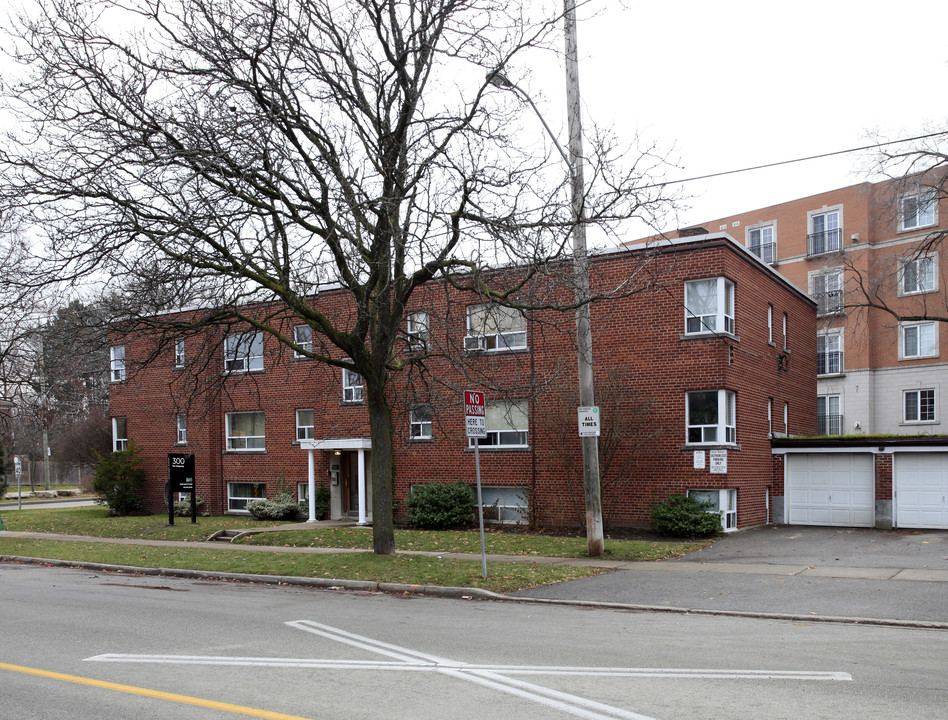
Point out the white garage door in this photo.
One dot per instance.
(921, 490)
(830, 489)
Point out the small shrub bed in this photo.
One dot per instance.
(281, 507)
(439, 506)
(682, 516)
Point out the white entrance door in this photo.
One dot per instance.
(830, 489)
(921, 490)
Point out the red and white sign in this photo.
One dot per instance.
(475, 413)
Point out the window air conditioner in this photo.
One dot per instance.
(475, 343)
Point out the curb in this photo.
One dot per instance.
(459, 593)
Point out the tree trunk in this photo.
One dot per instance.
(383, 473)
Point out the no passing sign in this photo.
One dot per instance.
(475, 413)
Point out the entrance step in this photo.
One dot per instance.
(225, 535)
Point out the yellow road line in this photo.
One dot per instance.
(200, 702)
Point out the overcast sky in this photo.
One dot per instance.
(737, 83)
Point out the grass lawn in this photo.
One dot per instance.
(412, 569)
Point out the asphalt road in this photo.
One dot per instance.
(82, 645)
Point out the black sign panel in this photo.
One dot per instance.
(181, 479)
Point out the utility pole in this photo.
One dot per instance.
(591, 484)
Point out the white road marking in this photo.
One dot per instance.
(496, 677)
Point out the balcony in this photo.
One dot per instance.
(829, 363)
(765, 251)
(829, 303)
(829, 424)
(827, 241)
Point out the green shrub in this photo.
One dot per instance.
(320, 504)
(182, 508)
(438, 506)
(120, 481)
(682, 516)
(281, 507)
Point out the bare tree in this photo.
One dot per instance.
(223, 152)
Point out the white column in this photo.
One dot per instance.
(362, 519)
(312, 485)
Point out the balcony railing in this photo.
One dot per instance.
(830, 424)
(826, 241)
(828, 303)
(765, 251)
(829, 363)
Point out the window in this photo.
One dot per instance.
(305, 427)
(506, 424)
(240, 493)
(760, 241)
(353, 387)
(825, 232)
(719, 502)
(829, 353)
(179, 354)
(709, 306)
(918, 340)
(711, 417)
(245, 431)
(420, 423)
(917, 210)
(829, 419)
(827, 289)
(117, 357)
(786, 342)
(495, 327)
(119, 434)
(786, 419)
(504, 504)
(303, 337)
(181, 421)
(919, 405)
(243, 352)
(770, 416)
(770, 324)
(918, 275)
(417, 330)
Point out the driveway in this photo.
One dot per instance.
(799, 571)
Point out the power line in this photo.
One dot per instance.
(796, 160)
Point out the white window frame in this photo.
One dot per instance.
(721, 320)
(723, 503)
(832, 237)
(119, 434)
(179, 356)
(770, 417)
(723, 431)
(353, 386)
(770, 324)
(238, 502)
(181, 426)
(918, 210)
(243, 352)
(246, 442)
(420, 423)
(918, 275)
(417, 328)
(495, 328)
(507, 425)
(821, 285)
(305, 426)
(117, 368)
(762, 241)
(302, 337)
(911, 345)
(827, 338)
(504, 504)
(826, 401)
(913, 403)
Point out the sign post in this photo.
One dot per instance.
(181, 479)
(475, 422)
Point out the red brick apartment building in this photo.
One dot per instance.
(694, 375)
(876, 374)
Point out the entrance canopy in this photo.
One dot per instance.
(337, 444)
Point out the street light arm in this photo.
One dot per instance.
(499, 80)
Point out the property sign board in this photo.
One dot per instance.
(589, 425)
(181, 479)
(475, 413)
(718, 461)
